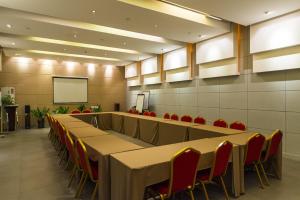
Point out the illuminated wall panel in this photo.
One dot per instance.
(152, 79)
(131, 70)
(135, 81)
(182, 74)
(149, 66)
(175, 59)
(218, 71)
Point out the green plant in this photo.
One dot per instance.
(40, 114)
(81, 107)
(96, 108)
(61, 110)
(8, 100)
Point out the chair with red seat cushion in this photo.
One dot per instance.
(89, 169)
(146, 113)
(136, 112)
(130, 111)
(183, 174)
(238, 126)
(221, 123)
(186, 118)
(273, 145)
(87, 111)
(75, 111)
(152, 114)
(166, 116)
(253, 152)
(174, 117)
(199, 120)
(219, 167)
(62, 139)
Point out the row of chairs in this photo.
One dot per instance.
(200, 120)
(184, 174)
(76, 155)
(76, 111)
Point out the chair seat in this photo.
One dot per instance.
(203, 175)
(161, 188)
(94, 168)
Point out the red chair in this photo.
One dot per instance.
(152, 114)
(186, 118)
(75, 111)
(72, 157)
(130, 111)
(166, 116)
(89, 169)
(219, 168)
(273, 144)
(253, 152)
(199, 120)
(146, 113)
(87, 111)
(183, 174)
(174, 117)
(238, 126)
(135, 112)
(62, 140)
(221, 123)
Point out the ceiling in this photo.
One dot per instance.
(121, 31)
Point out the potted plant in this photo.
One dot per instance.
(8, 100)
(61, 110)
(96, 108)
(81, 107)
(10, 107)
(40, 115)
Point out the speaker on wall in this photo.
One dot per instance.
(27, 116)
(117, 107)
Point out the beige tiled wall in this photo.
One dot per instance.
(264, 101)
(33, 83)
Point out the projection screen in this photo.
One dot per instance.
(70, 90)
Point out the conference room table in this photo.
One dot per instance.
(133, 171)
(100, 148)
(241, 140)
(100, 119)
(83, 132)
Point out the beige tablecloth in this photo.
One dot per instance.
(83, 132)
(100, 148)
(104, 121)
(241, 140)
(133, 171)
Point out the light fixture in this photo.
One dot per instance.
(155, 25)
(214, 17)
(75, 36)
(93, 11)
(8, 26)
(13, 43)
(124, 43)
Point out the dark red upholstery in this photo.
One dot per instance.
(222, 156)
(199, 120)
(135, 112)
(152, 114)
(254, 148)
(238, 126)
(70, 147)
(130, 111)
(166, 116)
(221, 123)
(61, 132)
(146, 113)
(186, 118)
(75, 111)
(273, 144)
(174, 117)
(94, 169)
(184, 168)
(87, 111)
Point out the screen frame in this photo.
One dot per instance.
(140, 95)
(70, 77)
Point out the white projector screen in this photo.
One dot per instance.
(70, 90)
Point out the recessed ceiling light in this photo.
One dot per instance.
(93, 11)
(13, 43)
(267, 12)
(8, 26)
(65, 49)
(155, 25)
(75, 36)
(124, 43)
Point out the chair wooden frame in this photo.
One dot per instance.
(211, 174)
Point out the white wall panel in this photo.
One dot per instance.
(175, 59)
(215, 49)
(149, 66)
(131, 70)
(178, 75)
(152, 79)
(219, 71)
(277, 63)
(136, 81)
(276, 33)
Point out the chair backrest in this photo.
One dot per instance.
(75, 111)
(135, 112)
(166, 116)
(186, 118)
(199, 120)
(254, 148)
(273, 144)
(152, 114)
(83, 158)
(61, 132)
(146, 113)
(184, 167)
(174, 117)
(70, 147)
(87, 111)
(221, 123)
(55, 126)
(130, 110)
(238, 126)
(222, 156)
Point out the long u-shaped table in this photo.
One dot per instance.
(127, 166)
